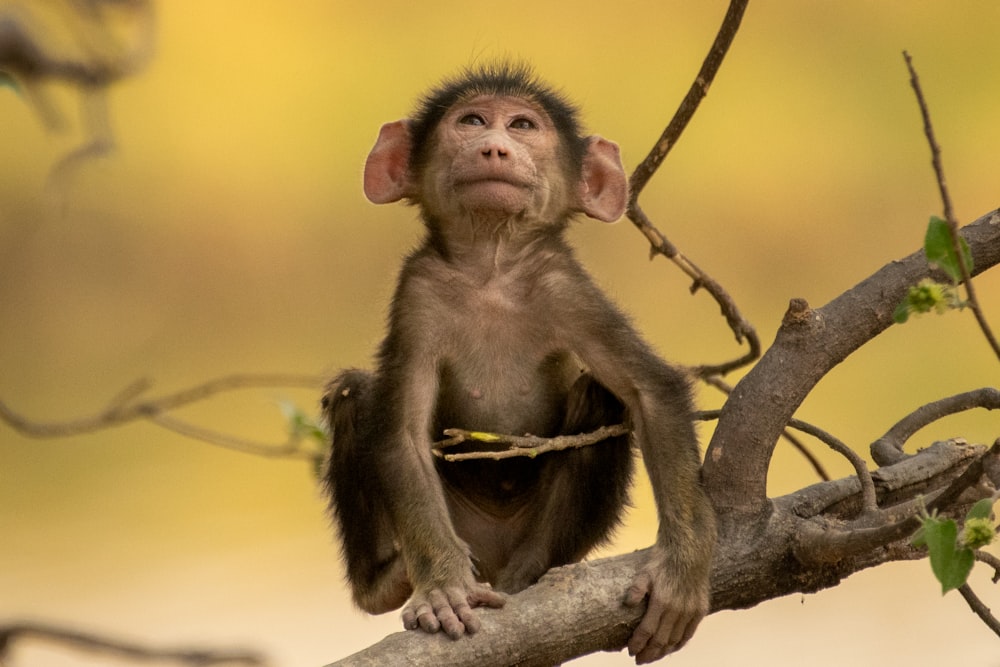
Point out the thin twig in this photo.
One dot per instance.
(123, 409)
(889, 448)
(992, 561)
(869, 503)
(697, 91)
(949, 214)
(659, 244)
(980, 609)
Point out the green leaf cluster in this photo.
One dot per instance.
(929, 295)
(304, 427)
(952, 553)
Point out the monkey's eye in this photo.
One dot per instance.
(472, 119)
(523, 124)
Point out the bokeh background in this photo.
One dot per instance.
(228, 233)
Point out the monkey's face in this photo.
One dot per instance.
(496, 158)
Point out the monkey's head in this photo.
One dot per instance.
(496, 145)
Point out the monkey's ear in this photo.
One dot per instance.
(387, 173)
(603, 186)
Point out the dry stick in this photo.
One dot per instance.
(521, 445)
(949, 214)
(658, 242)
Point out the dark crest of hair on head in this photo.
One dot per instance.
(503, 79)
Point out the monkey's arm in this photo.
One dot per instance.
(437, 560)
(657, 398)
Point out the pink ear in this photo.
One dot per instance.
(603, 188)
(387, 174)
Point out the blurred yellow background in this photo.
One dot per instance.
(228, 233)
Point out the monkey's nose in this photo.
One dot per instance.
(494, 151)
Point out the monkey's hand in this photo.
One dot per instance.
(678, 600)
(450, 608)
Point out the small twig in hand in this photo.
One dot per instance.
(949, 214)
(520, 445)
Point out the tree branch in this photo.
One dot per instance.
(889, 448)
(659, 244)
(576, 609)
(809, 344)
(949, 213)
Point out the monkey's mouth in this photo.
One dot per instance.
(492, 182)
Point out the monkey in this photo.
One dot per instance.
(495, 326)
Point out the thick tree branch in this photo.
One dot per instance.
(575, 610)
(808, 345)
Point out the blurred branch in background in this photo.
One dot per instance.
(91, 643)
(125, 408)
(87, 45)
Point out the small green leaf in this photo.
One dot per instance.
(902, 312)
(7, 81)
(951, 565)
(981, 510)
(940, 250)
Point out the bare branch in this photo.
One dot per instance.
(889, 448)
(122, 649)
(949, 213)
(123, 409)
(817, 544)
(869, 505)
(808, 345)
(992, 561)
(98, 58)
(659, 244)
(699, 88)
(980, 609)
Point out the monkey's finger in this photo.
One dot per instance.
(484, 596)
(653, 633)
(665, 640)
(465, 614)
(419, 614)
(637, 592)
(445, 613)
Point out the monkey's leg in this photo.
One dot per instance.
(581, 492)
(375, 569)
